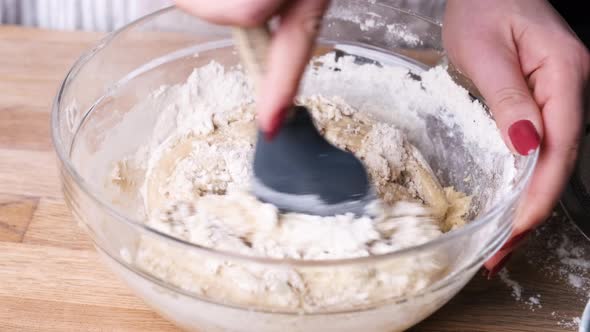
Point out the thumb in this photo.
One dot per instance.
(496, 71)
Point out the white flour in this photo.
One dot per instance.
(402, 32)
(389, 93)
(372, 21)
(514, 285)
(561, 253)
(571, 324)
(575, 280)
(534, 302)
(517, 291)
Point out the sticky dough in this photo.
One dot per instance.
(398, 170)
(196, 188)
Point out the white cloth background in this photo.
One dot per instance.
(107, 15)
(94, 15)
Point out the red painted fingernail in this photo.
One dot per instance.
(524, 137)
(272, 133)
(516, 240)
(275, 126)
(498, 267)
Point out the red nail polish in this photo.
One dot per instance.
(516, 240)
(271, 134)
(275, 126)
(498, 267)
(524, 137)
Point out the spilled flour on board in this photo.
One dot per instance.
(514, 285)
(562, 255)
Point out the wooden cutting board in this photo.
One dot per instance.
(50, 276)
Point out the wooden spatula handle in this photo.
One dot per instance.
(253, 44)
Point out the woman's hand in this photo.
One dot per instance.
(532, 71)
(290, 50)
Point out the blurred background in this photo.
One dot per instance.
(107, 15)
(89, 15)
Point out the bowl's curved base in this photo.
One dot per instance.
(191, 314)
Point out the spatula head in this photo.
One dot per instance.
(299, 171)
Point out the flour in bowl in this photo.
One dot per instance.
(196, 175)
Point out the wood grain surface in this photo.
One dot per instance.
(51, 278)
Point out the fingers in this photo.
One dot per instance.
(488, 55)
(495, 70)
(560, 89)
(532, 73)
(563, 114)
(289, 54)
(232, 12)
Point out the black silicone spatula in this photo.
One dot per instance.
(298, 170)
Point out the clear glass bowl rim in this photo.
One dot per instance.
(63, 156)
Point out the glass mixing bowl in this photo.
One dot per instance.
(162, 49)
